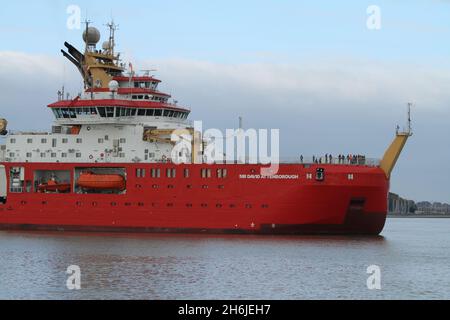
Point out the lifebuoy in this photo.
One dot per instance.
(91, 157)
(88, 128)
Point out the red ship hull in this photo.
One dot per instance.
(294, 202)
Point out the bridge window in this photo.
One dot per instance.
(63, 155)
(64, 140)
(150, 112)
(53, 155)
(102, 112)
(78, 155)
(12, 141)
(110, 112)
(29, 140)
(79, 140)
(141, 112)
(158, 113)
(28, 154)
(43, 140)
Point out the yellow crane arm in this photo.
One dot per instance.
(392, 154)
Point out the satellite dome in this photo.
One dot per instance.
(106, 46)
(93, 36)
(113, 86)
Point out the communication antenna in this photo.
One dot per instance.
(409, 126)
(86, 22)
(112, 31)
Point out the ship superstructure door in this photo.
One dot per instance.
(2, 185)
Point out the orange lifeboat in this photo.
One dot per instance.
(53, 186)
(93, 181)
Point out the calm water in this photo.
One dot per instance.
(413, 254)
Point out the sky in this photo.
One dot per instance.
(312, 69)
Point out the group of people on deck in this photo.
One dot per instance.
(341, 159)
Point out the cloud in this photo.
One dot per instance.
(321, 106)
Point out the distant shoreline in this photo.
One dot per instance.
(439, 216)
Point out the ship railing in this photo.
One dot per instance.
(358, 161)
(368, 162)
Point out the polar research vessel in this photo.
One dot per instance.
(107, 165)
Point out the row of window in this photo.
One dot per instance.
(44, 140)
(54, 155)
(147, 97)
(169, 204)
(145, 84)
(111, 112)
(44, 155)
(65, 140)
(172, 173)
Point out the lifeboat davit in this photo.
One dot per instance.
(94, 181)
(53, 186)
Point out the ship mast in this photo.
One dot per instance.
(112, 30)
